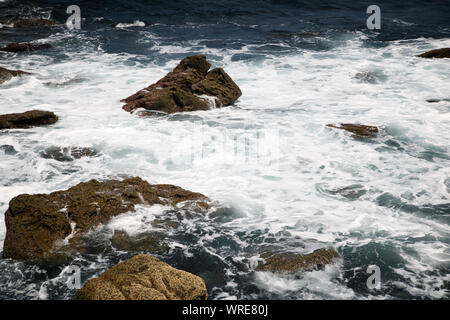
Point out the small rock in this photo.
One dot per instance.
(27, 119)
(144, 278)
(21, 47)
(151, 242)
(293, 262)
(33, 22)
(436, 53)
(8, 149)
(66, 154)
(6, 74)
(357, 129)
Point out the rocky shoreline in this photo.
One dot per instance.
(51, 227)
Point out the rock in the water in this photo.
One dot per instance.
(145, 242)
(21, 47)
(144, 278)
(33, 22)
(65, 154)
(6, 74)
(437, 53)
(357, 129)
(36, 224)
(8, 149)
(292, 262)
(27, 119)
(189, 87)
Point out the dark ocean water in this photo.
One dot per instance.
(300, 65)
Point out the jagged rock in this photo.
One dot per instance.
(33, 22)
(144, 278)
(188, 87)
(65, 154)
(6, 74)
(37, 224)
(293, 262)
(27, 119)
(357, 129)
(436, 53)
(21, 47)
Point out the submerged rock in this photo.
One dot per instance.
(357, 129)
(27, 119)
(436, 53)
(6, 74)
(33, 23)
(145, 242)
(8, 149)
(293, 262)
(21, 47)
(144, 278)
(189, 87)
(37, 224)
(66, 154)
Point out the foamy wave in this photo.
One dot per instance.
(136, 23)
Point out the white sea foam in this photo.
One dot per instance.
(136, 23)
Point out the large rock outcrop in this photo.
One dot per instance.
(27, 119)
(188, 87)
(6, 74)
(36, 225)
(22, 47)
(287, 262)
(436, 53)
(144, 278)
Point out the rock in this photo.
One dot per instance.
(145, 242)
(6, 74)
(66, 154)
(37, 224)
(435, 100)
(437, 53)
(293, 262)
(188, 87)
(144, 278)
(21, 47)
(357, 129)
(33, 22)
(27, 119)
(8, 149)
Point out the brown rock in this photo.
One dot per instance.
(293, 262)
(437, 53)
(27, 119)
(219, 84)
(21, 47)
(357, 129)
(33, 22)
(144, 278)
(36, 224)
(180, 89)
(6, 74)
